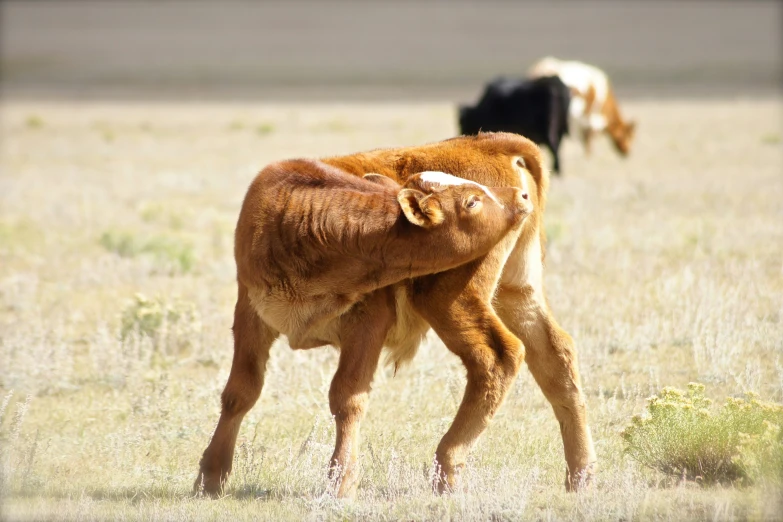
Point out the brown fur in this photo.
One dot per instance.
(620, 132)
(587, 132)
(480, 309)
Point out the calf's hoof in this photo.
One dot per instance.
(209, 488)
(343, 484)
(446, 479)
(209, 484)
(581, 479)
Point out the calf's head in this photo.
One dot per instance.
(461, 215)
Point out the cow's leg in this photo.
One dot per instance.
(252, 340)
(552, 360)
(553, 142)
(586, 126)
(362, 333)
(457, 306)
(587, 136)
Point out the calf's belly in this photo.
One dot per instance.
(314, 322)
(306, 322)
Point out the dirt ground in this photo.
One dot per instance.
(665, 267)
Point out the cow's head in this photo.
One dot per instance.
(622, 136)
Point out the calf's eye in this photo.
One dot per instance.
(472, 202)
(521, 163)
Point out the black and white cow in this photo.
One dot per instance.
(537, 109)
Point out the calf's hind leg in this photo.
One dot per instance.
(252, 340)
(362, 333)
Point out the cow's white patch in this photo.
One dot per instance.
(579, 76)
(597, 122)
(441, 178)
(577, 107)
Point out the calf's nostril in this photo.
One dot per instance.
(524, 195)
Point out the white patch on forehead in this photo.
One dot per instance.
(441, 178)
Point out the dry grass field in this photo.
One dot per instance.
(666, 268)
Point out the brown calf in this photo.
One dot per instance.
(318, 251)
(481, 310)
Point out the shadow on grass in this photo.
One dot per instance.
(132, 495)
(136, 495)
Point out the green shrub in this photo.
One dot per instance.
(123, 244)
(162, 213)
(760, 456)
(172, 327)
(34, 122)
(680, 436)
(172, 252)
(265, 128)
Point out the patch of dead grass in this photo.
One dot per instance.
(665, 268)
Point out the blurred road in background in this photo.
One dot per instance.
(404, 50)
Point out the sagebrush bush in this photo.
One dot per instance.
(761, 454)
(171, 326)
(680, 436)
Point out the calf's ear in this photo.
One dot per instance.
(381, 180)
(420, 209)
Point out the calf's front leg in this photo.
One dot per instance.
(551, 358)
(457, 306)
